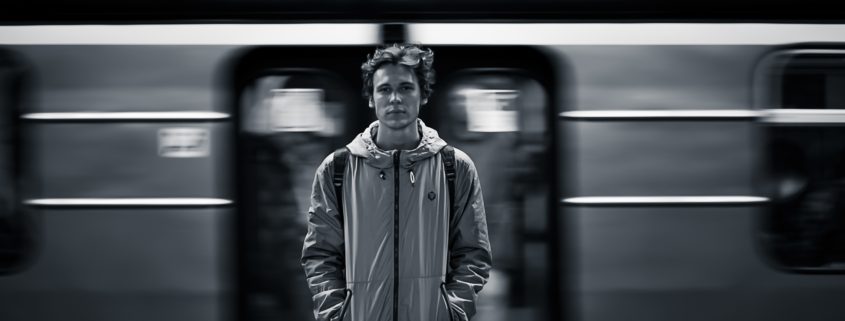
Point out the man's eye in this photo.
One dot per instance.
(383, 89)
(407, 88)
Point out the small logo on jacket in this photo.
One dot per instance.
(431, 195)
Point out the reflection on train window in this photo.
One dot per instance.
(491, 102)
(491, 110)
(497, 116)
(290, 121)
(805, 227)
(15, 230)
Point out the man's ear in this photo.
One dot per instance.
(424, 101)
(371, 103)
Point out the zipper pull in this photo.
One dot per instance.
(411, 176)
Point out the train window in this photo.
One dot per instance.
(804, 229)
(491, 110)
(482, 103)
(813, 81)
(15, 232)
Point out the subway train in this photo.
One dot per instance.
(633, 170)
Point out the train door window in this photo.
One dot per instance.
(15, 230)
(290, 120)
(497, 116)
(804, 229)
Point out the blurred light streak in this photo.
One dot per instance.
(771, 116)
(193, 34)
(805, 116)
(140, 202)
(662, 114)
(170, 115)
(623, 33)
(663, 200)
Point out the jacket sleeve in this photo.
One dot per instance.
(470, 259)
(323, 248)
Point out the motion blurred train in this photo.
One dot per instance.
(637, 163)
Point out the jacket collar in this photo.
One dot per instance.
(364, 146)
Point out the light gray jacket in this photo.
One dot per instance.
(385, 258)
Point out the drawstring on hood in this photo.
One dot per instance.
(364, 146)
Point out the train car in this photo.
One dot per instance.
(158, 167)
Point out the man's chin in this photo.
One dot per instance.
(396, 123)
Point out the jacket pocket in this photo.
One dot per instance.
(343, 307)
(446, 300)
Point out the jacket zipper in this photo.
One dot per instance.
(396, 235)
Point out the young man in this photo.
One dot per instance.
(397, 247)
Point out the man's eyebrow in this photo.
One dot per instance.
(387, 83)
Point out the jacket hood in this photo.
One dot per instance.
(364, 146)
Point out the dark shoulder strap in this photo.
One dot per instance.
(449, 165)
(340, 156)
(448, 157)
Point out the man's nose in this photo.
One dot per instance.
(395, 97)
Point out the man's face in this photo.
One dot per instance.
(396, 96)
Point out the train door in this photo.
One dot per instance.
(494, 104)
(16, 233)
(296, 106)
(804, 229)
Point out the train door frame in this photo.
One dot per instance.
(338, 62)
(767, 85)
(535, 64)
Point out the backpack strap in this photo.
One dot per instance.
(340, 156)
(448, 158)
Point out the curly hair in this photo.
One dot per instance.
(414, 56)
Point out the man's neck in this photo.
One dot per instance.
(402, 138)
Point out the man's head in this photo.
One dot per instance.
(397, 81)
